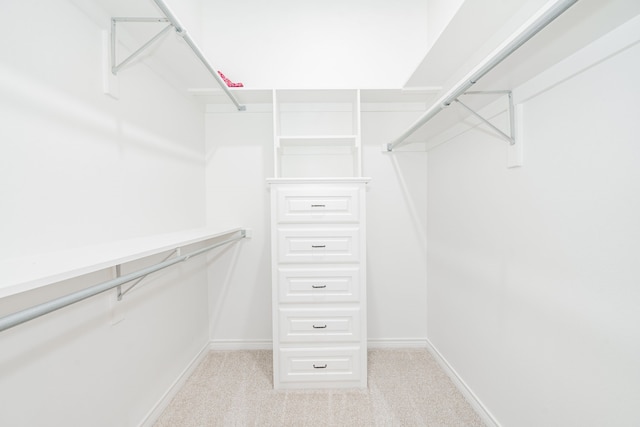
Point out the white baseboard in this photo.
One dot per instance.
(397, 343)
(240, 345)
(164, 401)
(468, 394)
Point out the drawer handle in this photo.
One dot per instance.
(319, 327)
(318, 246)
(318, 286)
(317, 206)
(319, 366)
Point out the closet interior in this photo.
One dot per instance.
(468, 188)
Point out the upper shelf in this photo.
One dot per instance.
(471, 26)
(458, 52)
(175, 55)
(369, 98)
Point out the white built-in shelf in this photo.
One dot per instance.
(316, 133)
(403, 99)
(311, 180)
(467, 40)
(246, 96)
(319, 97)
(419, 97)
(170, 56)
(481, 26)
(328, 140)
(28, 273)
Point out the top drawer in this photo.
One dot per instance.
(318, 205)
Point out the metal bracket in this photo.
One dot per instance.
(116, 67)
(511, 137)
(121, 293)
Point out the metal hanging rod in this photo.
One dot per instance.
(487, 65)
(36, 311)
(183, 32)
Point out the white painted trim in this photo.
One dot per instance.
(240, 345)
(157, 409)
(466, 391)
(397, 343)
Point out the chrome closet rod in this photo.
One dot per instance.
(36, 311)
(489, 63)
(187, 38)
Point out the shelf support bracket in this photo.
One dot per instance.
(510, 111)
(122, 293)
(116, 67)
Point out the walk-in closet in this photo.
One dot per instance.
(336, 213)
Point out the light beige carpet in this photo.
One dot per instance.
(234, 388)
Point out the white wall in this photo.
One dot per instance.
(533, 272)
(328, 44)
(74, 367)
(78, 168)
(396, 232)
(240, 159)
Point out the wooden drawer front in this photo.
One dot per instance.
(321, 364)
(318, 205)
(319, 325)
(319, 284)
(319, 245)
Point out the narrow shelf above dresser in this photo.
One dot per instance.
(316, 133)
(308, 140)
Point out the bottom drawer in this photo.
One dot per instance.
(320, 364)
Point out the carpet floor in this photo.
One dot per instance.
(234, 388)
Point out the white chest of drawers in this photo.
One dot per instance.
(318, 242)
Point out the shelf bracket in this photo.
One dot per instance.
(116, 67)
(510, 111)
(122, 293)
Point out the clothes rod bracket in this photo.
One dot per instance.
(548, 14)
(121, 293)
(114, 21)
(510, 111)
(27, 314)
(173, 19)
(180, 30)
